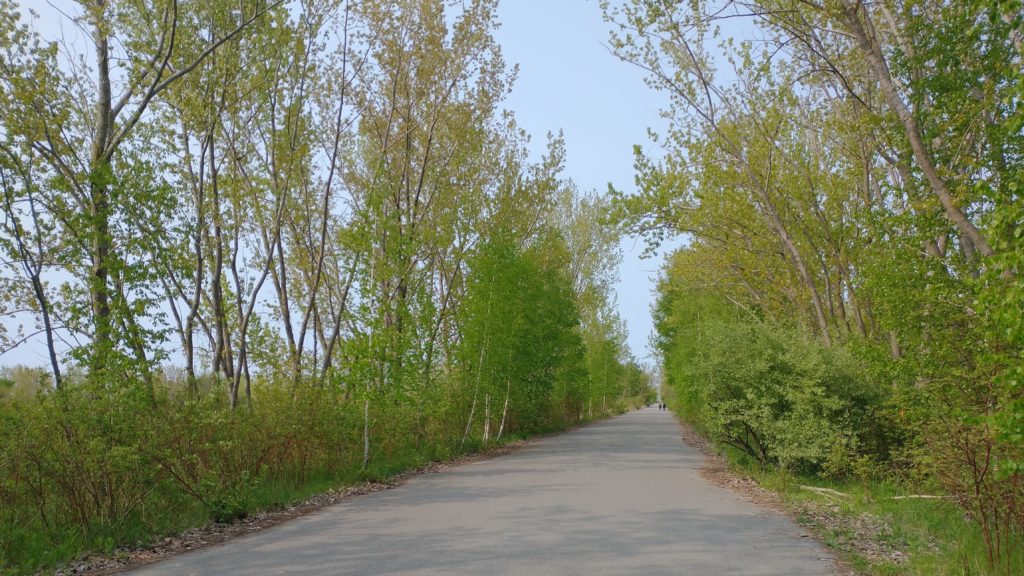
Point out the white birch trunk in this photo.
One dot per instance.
(487, 418)
(504, 410)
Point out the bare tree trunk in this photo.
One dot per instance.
(325, 208)
(366, 429)
(479, 375)
(487, 418)
(844, 271)
(894, 346)
(242, 367)
(279, 275)
(504, 410)
(336, 329)
(222, 350)
(373, 377)
(99, 200)
(476, 394)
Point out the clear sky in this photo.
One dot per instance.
(569, 80)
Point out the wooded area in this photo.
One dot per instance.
(848, 173)
(271, 247)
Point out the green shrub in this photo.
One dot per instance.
(777, 396)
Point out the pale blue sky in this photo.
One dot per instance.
(569, 80)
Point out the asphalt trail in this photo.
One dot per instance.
(622, 496)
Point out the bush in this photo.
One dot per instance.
(95, 467)
(777, 396)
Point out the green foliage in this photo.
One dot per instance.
(1002, 297)
(89, 469)
(766, 390)
(851, 192)
(524, 361)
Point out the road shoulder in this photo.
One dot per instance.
(716, 471)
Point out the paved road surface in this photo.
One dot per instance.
(619, 497)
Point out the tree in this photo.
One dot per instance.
(853, 170)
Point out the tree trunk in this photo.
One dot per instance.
(222, 361)
(99, 199)
(858, 21)
(476, 394)
(858, 317)
(894, 346)
(504, 410)
(487, 419)
(775, 221)
(366, 430)
(33, 266)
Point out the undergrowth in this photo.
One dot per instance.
(82, 473)
(912, 533)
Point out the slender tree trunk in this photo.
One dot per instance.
(372, 380)
(858, 21)
(222, 361)
(51, 348)
(336, 328)
(479, 374)
(99, 198)
(487, 418)
(787, 241)
(325, 209)
(476, 394)
(366, 429)
(33, 266)
(504, 409)
(844, 272)
(279, 274)
(200, 264)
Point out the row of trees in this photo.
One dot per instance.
(849, 176)
(266, 242)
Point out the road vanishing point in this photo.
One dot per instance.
(621, 496)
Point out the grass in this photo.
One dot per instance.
(932, 537)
